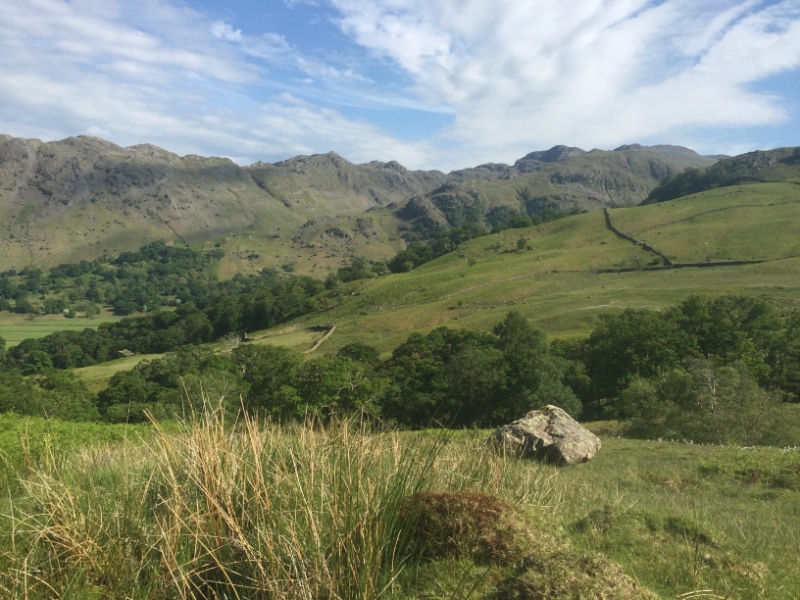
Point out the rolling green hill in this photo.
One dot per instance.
(572, 270)
(741, 222)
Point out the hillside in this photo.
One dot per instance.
(83, 197)
(572, 270)
(781, 164)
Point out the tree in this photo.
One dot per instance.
(328, 386)
(269, 372)
(534, 376)
(360, 352)
(36, 362)
(730, 329)
(706, 403)
(425, 385)
(636, 343)
(62, 395)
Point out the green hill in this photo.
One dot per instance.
(781, 164)
(740, 222)
(573, 270)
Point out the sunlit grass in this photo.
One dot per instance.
(213, 509)
(14, 328)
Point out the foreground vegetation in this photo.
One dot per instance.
(219, 510)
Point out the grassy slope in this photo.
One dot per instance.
(314, 250)
(744, 222)
(555, 285)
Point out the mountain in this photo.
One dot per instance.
(84, 197)
(781, 164)
(560, 179)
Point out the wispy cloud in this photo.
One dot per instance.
(170, 76)
(494, 80)
(585, 71)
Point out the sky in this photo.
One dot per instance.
(433, 84)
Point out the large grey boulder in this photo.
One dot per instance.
(548, 434)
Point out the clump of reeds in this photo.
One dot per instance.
(242, 510)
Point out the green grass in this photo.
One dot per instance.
(15, 328)
(745, 222)
(682, 517)
(26, 443)
(96, 377)
(557, 283)
(210, 511)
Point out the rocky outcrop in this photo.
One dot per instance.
(549, 435)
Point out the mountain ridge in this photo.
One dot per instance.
(82, 197)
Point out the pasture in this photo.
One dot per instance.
(14, 328)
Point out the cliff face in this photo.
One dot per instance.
(560, 179)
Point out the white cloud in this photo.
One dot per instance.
(224, 31)
(529, 74)
(167, 76)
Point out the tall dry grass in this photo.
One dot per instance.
(241, 511)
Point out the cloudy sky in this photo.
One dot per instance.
(431, 83)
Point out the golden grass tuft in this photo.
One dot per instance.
(241, 510)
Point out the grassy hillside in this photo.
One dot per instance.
(742, 222)
(564, 274)
(560, 278)
(315, 248)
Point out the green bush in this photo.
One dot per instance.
(707, 403)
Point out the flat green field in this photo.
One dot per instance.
(96, 377)
(15, 328)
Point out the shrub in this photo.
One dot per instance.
(709, 404)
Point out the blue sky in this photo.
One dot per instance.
(439, 84)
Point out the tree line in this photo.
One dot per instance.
(722, 370)
(237, 306)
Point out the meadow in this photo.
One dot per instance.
(14, 328)
(214, 509)
(569, 272)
